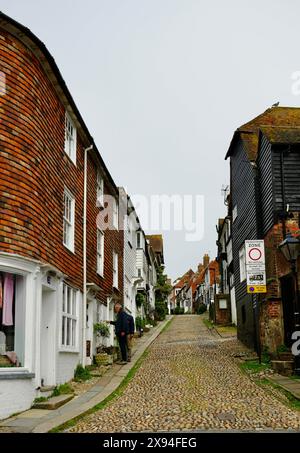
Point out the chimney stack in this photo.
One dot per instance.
(206, 260)
(200, 267)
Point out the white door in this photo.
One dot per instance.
(48, 336)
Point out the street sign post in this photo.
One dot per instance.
(256, 281)
(255, 266)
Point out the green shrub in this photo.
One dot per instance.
(140, 299)
(282, 348)
(139, 323)
(81, 374)
(40, 399)
(265, 356)
(160, 310)
(152, 322)
(179, 311)
(201, 309)
(102, 329)
(63, 389)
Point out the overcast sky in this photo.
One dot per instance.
(163, 84)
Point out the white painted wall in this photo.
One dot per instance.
(30, 343)
(152, 279)
(16, 395)
(130, 266)
(233, 306)
(66, 364)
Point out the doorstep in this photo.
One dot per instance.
(53, 403)
(46, 389)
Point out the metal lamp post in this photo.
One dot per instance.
(290, 248)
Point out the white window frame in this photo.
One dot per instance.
(242, 261)
(100, 189)
(115, 270)
(69, 319)
(100, 252)
(68, 220)
(70, 138)
(115, 214)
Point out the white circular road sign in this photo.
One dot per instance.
(255, 254)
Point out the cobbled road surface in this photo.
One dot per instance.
(190, 381)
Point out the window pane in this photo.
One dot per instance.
(73, 332)
(74, 303)
(69, 301)
(67, 235)
(64, 296)
(69, 331)
(63, 331)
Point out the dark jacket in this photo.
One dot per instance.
(121, 323)
(130, 321)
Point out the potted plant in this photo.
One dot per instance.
(283, 352)
(139, 325)
(102, 329)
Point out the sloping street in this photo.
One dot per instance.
(190, 380)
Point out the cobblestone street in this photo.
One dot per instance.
(189, 380)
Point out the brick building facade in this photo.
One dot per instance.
(43, 144)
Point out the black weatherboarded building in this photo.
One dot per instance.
(265, 204)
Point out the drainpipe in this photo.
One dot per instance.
(84, 256)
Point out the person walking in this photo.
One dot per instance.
(129, 336)
(122, 330)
